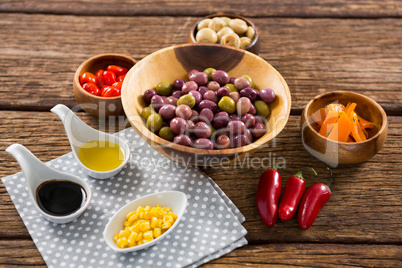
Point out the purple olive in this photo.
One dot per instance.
(208, 104)
(234, 117)
(241, 83)
(258, 130)
(249, 136)
(250, 93)
(194, 116)
(236, 127)
(191, 73)
(157, 102)
(223, 142)
(206, 116)
(221, 77)
(177, 94)
(178, 84)
(197, 95)
(248, 120)
(189, 86)
(239, 140)
(210, 95)
(171, 100)
(200, 78)
(178, 125)
(182, 140)
(190, 128)
(203, 143)
(223, 91)
(221, 120)
(148, 94)
(213, 85)
(202, 130)
(235, 96)
(231, 80)
(252, 110)
(202, 90)
(167, 111)
(259, 119)
(267, 95)
(184, 111)
(243, 105)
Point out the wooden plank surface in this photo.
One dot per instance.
(254, 8)
(24, 253)
(40, 53)
(365, 206)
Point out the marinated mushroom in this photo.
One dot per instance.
(238, 25)
(224, 31)
(203, 24)
(231, 39)
(250, 32)
(244, 42)
(216, 24)
(206, 35)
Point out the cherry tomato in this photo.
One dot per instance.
(117, 70)
(99, 77)
(117, 85)
(92, 88)
(87, 78)
(109, 78)
(120, 78)
(109, 91)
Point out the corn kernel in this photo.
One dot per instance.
(147, 240)
(167, 209)
(166, 225)
(124, 233)
(131, 239)
(140, 209)
(148, 234)
(159, 223)
(132, 219)
(116, 237)
(157, 232)
(147, 208)
(130, 214)
(147, 215)
(167, 218)
(139, 236)
(145, 226)
(122, 242)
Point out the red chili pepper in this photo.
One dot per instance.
(109, 78)
(99, 78)
(117, 70)
(109, 91)
(294, 190)
(268, 192)
(92, 88)
(87, 77)
(313, 201)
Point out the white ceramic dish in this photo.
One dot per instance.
(79, 133)
(36, 173)
(176, 200)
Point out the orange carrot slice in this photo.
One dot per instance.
(357, 132)
(341, 128)
(331, 118)
(337, 107)
(319, 116)
(364, 123)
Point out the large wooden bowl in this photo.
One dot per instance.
(174, 62)
(100, 106)
(344, 153)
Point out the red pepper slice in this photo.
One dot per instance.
(268, 192)
(313, 201)
(294, 190)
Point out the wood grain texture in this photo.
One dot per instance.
(365, 206)
(24, 253)
(254, 8)
(40, 53)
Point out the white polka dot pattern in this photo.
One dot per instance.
(210, 227)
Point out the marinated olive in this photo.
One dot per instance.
(248, 120)
(249, 79)
(221, 120)
(223, 142)
(206, 115)
(213, 85)
(223, 91)
(197, 95)
(250, 93)
(252, 110)
(195, 117)
(177, 94)
(178, 125)
(209, 71)
(234, 117)
(187, 99)
(231, 87)
(208, 104)
(171, 100)
(241, 83)
(235, 96)
(148, 94)
(146, 112)
(239, 140)
(258, 130)
(189, 86)
(236, 127)
(167, 111)
(206, 35)
(202, 90)
(221, 77)
(166, 133)
(190, 73)
(238, 25)
(164, 88)
(200, 78)
(202, 130)
(178, 84)
(154, 122)
(210, 95)
(243, 105)
(203, 24)
(227, 104)
(157, 102)
(267, 95)
(249, 136)
(182, 140)
(203, 143)
(183, 111)
(262, 108)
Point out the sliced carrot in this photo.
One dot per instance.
(357, 131)
(350, 139)
(350, 108)
(337, 107)
(341, 129)
(319, 116)
(364, 123)
(331, 118)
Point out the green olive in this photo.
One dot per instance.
(227, 104)
(154, 122)
(187, 99)
(213, 130)
(166, 133)
(232, 88)
(249, 79)
(206, 35)
(164, 88)
(146, 112)
(209, 71)
(262, 108)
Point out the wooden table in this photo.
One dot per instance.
(318, 46)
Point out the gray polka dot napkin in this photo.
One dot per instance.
(210, 227)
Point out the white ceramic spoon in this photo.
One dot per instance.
(36, 173)
(176, 200)
(79, 133)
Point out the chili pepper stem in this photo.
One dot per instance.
(276, 166)
(330, 178)
(300, 173)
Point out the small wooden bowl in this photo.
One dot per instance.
(254, 47)
(100, 106)
(174, 62)
(344, 153)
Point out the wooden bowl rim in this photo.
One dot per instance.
(250, 147)
(82, 65)
(248, 21)
(341, 93)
